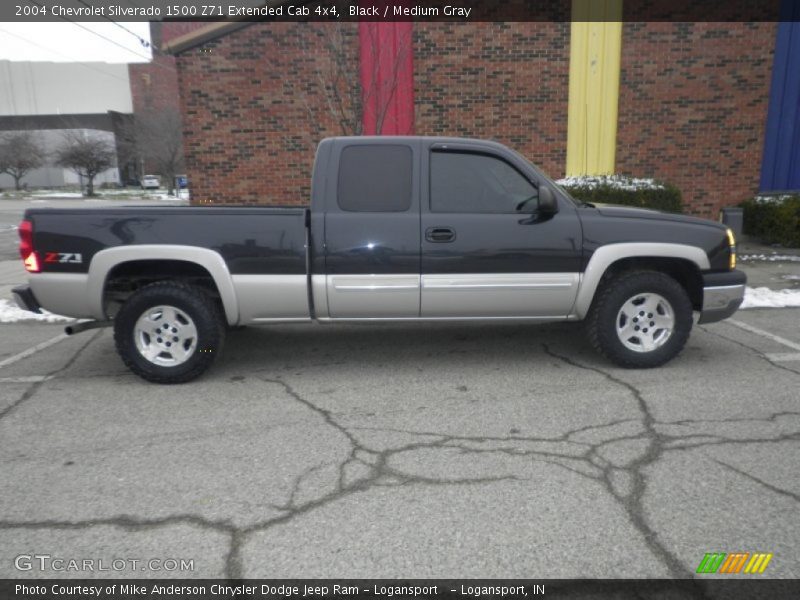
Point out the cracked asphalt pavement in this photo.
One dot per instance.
(429, 450)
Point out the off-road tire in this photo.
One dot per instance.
(204, 313)
(612, 293)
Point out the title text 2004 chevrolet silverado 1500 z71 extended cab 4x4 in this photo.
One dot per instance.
(403, 228)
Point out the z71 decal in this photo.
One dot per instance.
(63, 257)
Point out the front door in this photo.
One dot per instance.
(485, 250)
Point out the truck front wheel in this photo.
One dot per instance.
(640, 319)
(168, 332)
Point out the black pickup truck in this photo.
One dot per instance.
(399, 228)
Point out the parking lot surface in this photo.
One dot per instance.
(430, 450)
(397, 451)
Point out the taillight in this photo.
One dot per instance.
(29, 256)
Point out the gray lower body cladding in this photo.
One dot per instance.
(723, 294)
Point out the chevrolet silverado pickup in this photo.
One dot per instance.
(398, 229)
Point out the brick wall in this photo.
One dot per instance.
(503, 81)
(254, 107)
(154, 85)
(693, 106)
(692, 109)
(169, 30)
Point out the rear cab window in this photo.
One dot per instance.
(375, 178)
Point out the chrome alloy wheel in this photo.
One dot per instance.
(165, 336)
(645, 322)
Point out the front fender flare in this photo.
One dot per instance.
(607, 255)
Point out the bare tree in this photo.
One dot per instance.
(127, 150)
(20, 152)
(338, 77)
(160, 141)
(88, 156)
(381, 88)
(156, 138)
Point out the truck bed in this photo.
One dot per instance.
(251, 240)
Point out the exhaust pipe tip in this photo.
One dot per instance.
(84, 325)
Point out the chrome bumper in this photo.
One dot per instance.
(723, 294)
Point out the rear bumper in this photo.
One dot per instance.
(25, 299)
(723, 294)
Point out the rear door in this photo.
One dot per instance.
(372, 238)
(485, 250)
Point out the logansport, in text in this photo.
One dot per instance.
(283, 590)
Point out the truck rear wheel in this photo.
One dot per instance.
(640, 319)
(168, 332)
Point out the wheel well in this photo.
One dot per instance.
(681, 270)
(126, 278)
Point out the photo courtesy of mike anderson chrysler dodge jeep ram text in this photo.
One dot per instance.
(399, 228)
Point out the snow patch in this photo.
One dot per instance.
(620, 182)
(769, 257)
(762, 297)
(57, 195)
(774, 199)
(11, 313)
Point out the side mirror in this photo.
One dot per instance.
(547, 200)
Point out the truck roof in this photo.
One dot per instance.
(383, 139)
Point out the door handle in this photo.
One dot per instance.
(440, 234)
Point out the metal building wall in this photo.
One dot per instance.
(595, 49)
(780, 167)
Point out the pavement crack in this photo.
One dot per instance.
(378, 471)
(31, 390)
(769, 486)
(753, 350)
(379, 474)
(325, 414)
(723, 441)
(131, 523)
(772, 417)
(361, 468)
(127, 522)
(632, 498)
(234, 569)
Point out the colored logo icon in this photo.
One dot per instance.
(734, 563)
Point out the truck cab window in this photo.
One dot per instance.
(464, 182)
(375, 178)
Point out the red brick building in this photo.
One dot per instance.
(693, 107)
(693, 101)
(154, 89)
(154, 85)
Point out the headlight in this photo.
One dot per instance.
(732, 244)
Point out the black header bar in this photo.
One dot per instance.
(731, 588)
(459, 11)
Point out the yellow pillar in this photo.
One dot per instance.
(594, 66)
